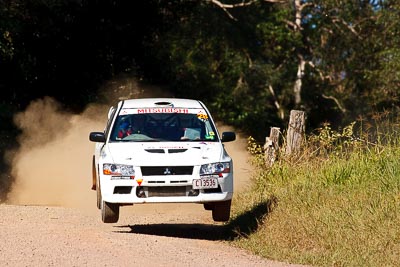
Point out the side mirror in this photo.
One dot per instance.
(228, 136)
(97, 137)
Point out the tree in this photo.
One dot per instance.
(227, 62)
(341, 68)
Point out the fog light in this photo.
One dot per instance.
(193, 192)
(140, 193)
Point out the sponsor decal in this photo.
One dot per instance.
(162, 110)
(202, 116)
(126, 111)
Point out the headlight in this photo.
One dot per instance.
(118, 169)
(215, 168)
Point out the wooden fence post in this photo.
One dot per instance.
(295, 132)
(271, 146)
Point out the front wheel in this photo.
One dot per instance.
(99, 198)
(109, 212)
(208, 206)
(221, 211)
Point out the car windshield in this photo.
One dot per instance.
(134, 125)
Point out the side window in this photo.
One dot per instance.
(122, 127)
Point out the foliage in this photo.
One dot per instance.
(226, 63)
(68, 49)
(328, 141)
(244, 68)
(385, 77)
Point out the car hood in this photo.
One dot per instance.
(162, 153)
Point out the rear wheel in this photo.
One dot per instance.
(221, 211)
(109, 212)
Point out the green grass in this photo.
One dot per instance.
(337, 207)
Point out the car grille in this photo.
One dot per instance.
(167, 170)
(167, 191)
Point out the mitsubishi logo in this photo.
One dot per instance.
(167, 171)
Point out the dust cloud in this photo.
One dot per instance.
(52, 166)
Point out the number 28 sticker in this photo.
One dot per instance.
(202, 116)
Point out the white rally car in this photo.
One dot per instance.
(161, 150)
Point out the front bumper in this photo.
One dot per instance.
(163, 189)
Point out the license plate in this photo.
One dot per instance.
(205, 183)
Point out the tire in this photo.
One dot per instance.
(109, 212)
(94, 175)
(208, 206)
(222, 211)
(99, 198)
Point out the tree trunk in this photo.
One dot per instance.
(298, 9)
(299, 80)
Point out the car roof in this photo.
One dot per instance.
(161, 102)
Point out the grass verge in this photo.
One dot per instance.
(337, 207)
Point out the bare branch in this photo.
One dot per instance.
(342, 109)
(239, 84)
(225, 6)
(312, 65)
(244, 3)
(290, 23)
(275, 1)
(347, 25)
(281, 114)
(248, 59)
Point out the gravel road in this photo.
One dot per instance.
(151, 235)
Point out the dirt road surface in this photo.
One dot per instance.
(151, 235)
(37, 234)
